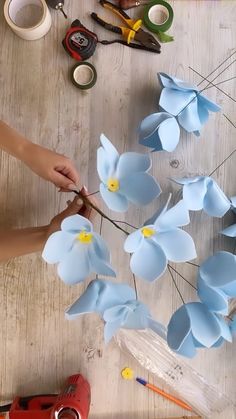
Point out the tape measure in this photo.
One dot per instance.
(79, 42)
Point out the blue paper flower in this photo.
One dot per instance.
(233, 326)
(184, 101)
(159, 241)
(193, 326)
(231, 230)
(124, 177)
(118, 307)
(217, 281)
(202, 192)
(159, 131)
(78, 250)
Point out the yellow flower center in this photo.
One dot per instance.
(113, 185)
(148, 232)
(84, 237)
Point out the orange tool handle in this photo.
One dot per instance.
(131, 23)
(169, 397)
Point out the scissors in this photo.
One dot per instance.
(132, 31)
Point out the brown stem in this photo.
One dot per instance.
(88, 203)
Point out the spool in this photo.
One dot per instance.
(158, 18)
(29, 19)
(84, 75)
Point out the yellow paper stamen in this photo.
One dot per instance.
(113, 185)
(85, 237)
(148, 232)
(127, 373)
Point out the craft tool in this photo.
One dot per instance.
(131, 32)
(129, 4)
(84, 75)
(158, 17)
(79, 42)
(72, 403)
(29, 20)
(164, 394)
(57, 5)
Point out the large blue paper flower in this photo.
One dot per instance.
(184, 101)
(217, 281)
(78, 250)
(118, 307)
(160, 240)
(193, 326)
(202, 192)
(124, 177)
(159, 131)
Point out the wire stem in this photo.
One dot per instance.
(178, 273)
(194, 264)
(173, 279)
(88, 203)
(135, 286)
(128, 224)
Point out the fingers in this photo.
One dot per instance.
(86, 210)
(68, 171)
(62, 182)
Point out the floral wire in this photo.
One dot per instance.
(93, 193)
(178, 273)
(87, 202)
(135, 286)
(214, 85)
(100, 232)
(220, 82)
(213, 71)
(172, 277)
(194, 264)
(200, 91)
(128, 224)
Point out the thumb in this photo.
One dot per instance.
(63, 182)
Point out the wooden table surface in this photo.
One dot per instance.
(38, 347)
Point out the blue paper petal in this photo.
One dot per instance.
(177, 216)
(233, 326)
(209, 104)
(230, 231)
(179, 328)
(75, 266)
(138, 316)
(76, 223)
(98, 264)
(233, 201)
(132, 163)
(189, 118)
(159, 212)
(225, 329)
(194, 194)
(99, 296)
(103, 165)
(159, 131)
(149, 261)
(110, 329)
(57, 246)
(174, 101)
(140, 188)
(133, 241)
(215, 299)
(114, 200)
(219, 271)
(177, 245)
(112, 153)
(215, 202)
(175, 83)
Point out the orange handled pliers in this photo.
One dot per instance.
(133, 30)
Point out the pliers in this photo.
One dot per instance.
(133, 30)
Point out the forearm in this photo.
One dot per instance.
(12, 142)
(21, 242)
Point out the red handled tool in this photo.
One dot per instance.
(72, 403)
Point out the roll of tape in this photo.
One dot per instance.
(84, 75)
(29, 19)
(158, 18)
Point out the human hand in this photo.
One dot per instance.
(73, 207)
(51, 166)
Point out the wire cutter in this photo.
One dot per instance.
(133, 30)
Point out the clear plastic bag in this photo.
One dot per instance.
(153, 353)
